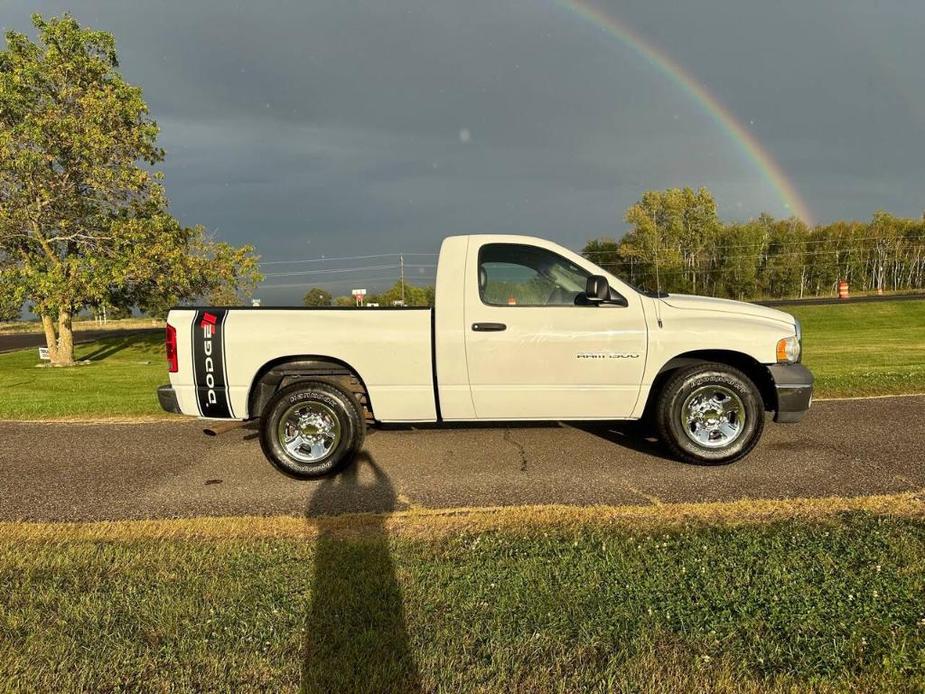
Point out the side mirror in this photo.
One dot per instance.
(599, 291)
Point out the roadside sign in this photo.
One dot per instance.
(43, 354)
(359, 292)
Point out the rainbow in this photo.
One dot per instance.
(712, 106)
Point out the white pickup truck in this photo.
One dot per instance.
(522, 329)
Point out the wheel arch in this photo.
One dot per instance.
(756, 372)
(285, 371)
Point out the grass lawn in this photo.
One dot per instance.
(120, 381)
(859, 349)
(864, 349)
(818, 602)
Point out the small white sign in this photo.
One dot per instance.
(43, 354)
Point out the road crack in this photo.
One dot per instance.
(520, 449)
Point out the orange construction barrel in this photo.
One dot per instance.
(842, 289)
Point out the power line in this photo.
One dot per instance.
(326, 283)
(330, 271)
(325, 260)
(765, 254)
(770, 256)
(765, 244)
(758, 245)
(341, 258)
(759, 273)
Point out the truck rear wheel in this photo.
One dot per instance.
(710, 414)
(311, 429)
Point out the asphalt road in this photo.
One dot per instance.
(167, 469)
(13, 341)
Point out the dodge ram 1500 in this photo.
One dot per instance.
(522, 329)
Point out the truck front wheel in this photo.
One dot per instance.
(710, 414)
(311, 429)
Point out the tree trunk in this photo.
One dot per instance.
(65, 339)
(51, 339)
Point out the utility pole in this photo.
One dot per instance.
(402, 259)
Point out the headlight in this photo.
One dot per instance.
(788, 350)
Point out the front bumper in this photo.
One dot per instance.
(167, 397)
(794, 386)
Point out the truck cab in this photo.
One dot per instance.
(517, 337)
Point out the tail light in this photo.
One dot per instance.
(170, 343)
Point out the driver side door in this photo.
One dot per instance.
(535, 350)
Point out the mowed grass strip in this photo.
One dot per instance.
(827, 602)
(417, 523)
(120, 380)
(864, 349)
(853, 350)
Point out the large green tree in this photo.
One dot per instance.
(11, 290)
(672, 231)
(83, 216)
(677, 233)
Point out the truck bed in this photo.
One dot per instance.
(392, 348)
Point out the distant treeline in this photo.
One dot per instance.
(698, 253)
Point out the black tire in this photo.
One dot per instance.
(699, 378)
(329, 397)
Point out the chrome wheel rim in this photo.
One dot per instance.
(309, 431)
(713, 416)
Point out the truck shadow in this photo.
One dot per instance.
(475, 425)
(632, 435)
(635, 436)
(355, 632)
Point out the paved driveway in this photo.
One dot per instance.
(82, 471)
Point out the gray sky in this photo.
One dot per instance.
(337, 129)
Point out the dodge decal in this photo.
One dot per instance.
(209, 374)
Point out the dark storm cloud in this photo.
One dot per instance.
(323, 128)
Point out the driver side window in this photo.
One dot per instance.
(512, 274)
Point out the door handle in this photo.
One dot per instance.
(489, 327)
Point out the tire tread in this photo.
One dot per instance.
(350, 447)
(664, 412)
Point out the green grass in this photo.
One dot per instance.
(854, 349)
(120, 381)
(829, 604)
(864, 349)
